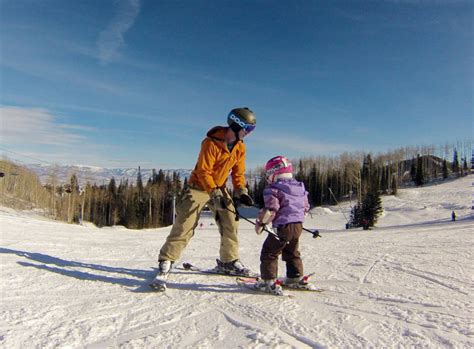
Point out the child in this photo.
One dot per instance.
(286, 203)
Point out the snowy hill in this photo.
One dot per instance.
(408, 283)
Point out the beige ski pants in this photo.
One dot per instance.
(188, 209)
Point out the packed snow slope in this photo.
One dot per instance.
(408, 283)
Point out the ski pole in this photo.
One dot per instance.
(248, 220)
(314, 232)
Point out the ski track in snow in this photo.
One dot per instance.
(408, 283)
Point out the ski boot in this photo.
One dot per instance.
(159, 282)
(233, 268)
(270, 286)
(300, 282)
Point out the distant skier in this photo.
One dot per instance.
(365, 224)
(222, 152)
(286, 203)
(453, 216)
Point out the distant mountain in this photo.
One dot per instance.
(97, 175)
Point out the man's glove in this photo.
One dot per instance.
(218, 199)
(244, 197)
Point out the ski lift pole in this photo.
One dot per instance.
(174, 207)
(337, 203)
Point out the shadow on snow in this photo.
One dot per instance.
(139, 281)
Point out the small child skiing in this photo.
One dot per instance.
(286, 204)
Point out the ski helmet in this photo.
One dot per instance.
(241, 118)
(278, 167)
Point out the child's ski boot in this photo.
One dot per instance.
(270, 286)
(301, 283)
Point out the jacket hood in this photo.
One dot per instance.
(290, 186)
(217, 133)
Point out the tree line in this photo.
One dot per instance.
(358, 177)
(361, 178)
(134, 205)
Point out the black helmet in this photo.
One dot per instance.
(241, 118)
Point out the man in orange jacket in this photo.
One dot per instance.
(222, 152)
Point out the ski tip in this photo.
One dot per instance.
(158, 285)
(158, 288)
(187, 266)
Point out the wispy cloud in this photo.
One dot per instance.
(36, 134)
(36, 126)
(57, 73)
(296, 145)
(111, 38)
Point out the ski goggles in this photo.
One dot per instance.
(249, 127)
(246, 127)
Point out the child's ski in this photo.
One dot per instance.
(293, 286)
(303, 285)
(251, 284)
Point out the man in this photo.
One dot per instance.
(222, 152)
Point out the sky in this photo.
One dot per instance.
(129, 83)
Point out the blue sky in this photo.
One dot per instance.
(139, 82)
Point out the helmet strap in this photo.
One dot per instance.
(236, 128)
(236, 135)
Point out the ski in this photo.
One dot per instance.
(251, 282)
(215, 270)
(296, 287)
(306, 286)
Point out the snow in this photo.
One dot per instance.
(407, 283)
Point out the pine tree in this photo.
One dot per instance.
(371, 207)
(366, 176)
(139, 181)
(313, 186)
(356, 216)
(259, 186)
(300, 176)
(394, 185)
(384, 180)
(112, 211)
(465, 168)
(419, 177)
(455, 164)
(413, 171)
(73, 190)
(445, 169)
(154, 177)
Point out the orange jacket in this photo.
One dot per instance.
(215, 162)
